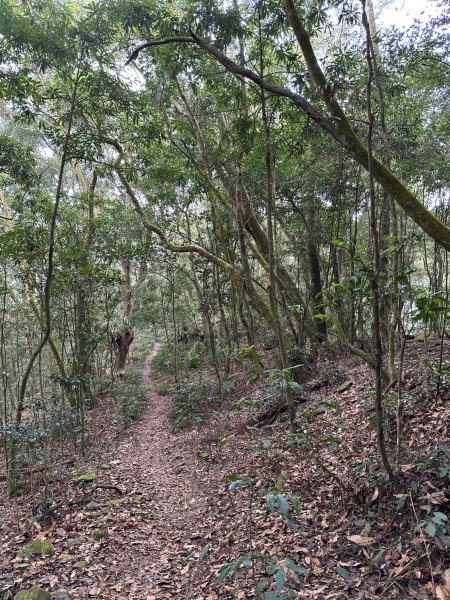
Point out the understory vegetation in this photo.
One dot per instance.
(255, 195)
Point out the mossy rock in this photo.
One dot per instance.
(66, 557)
(79, 540)
(35, 593)
(115, 502)
(81, 564)
(86, 478)
(106, 519)
(38, 547)
(99, 534)
(424, 337)
(344, 386)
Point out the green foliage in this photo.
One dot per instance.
(277, 501)
(32, 442)
(194, 361)
(17, 162)
(189, 405)
(273, 572)
(252, 354)
(277, 383)
(191, 358)
(438, 462)
(428, 308)
(441, 372)
(272, 582)
(130, 395)
(435, 524)
(163, 362)
(163, 389)
(100, 386)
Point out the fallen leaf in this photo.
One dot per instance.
(443, 591)
(361, 540)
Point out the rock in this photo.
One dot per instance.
(79, 540)
(81, 564)
(106, 519)
(66, 557)
(423, 337)
(35, 593)
(99, 534)
(105, 467)
(344, 386)
(38, 547)
(86, 478)
(115, 502)
(6, 584)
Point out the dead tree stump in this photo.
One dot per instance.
(121, 342)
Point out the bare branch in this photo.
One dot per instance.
(185, 39)
(309, 110)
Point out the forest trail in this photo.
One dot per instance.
(176, 506)
(145, 559)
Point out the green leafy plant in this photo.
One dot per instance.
(435, 524)
(253, 356)
(272, 583)
(130, 395)
(277, 501)
(438, 462)
(189, 405)
(163, 361)
(428, 308)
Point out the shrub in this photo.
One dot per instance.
(131, 396)
(163, 361)
(189, 405)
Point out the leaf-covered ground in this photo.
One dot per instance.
(170, 514)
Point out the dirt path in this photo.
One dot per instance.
(153, 532)
(151, 542)
(175, 504)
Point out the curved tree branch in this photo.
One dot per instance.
(337, 126)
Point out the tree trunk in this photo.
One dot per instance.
(316, 276)
(376, 270)
(121, 342)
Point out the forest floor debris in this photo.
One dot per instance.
(308, 513)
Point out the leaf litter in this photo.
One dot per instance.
(334, 530)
